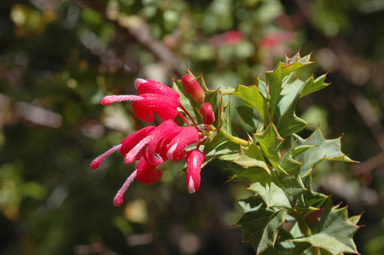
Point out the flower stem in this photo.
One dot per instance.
(183, 118)
(190, 117)
(235, 139)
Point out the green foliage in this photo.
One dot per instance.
(261, 225)
(282, 184)
(63, 56)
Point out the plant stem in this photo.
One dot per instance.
(189, 116)
(304, 228)
(235, 139)
(183, 118)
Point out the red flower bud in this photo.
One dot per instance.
(195, 159)
(207, 112)
(191, 86)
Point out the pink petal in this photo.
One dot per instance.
(154, 87)
(132, 140)
(142, 112)
(132, 154)
(195, 159)
(165, 131)
(176, 147)
(146, 173)
(164, 106)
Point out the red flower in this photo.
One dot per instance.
(167, 141)
(176, 148)
(153, 145)
(154, 87)
(154, 97)
(195, 159)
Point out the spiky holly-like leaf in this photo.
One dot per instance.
(261, 225)
(275, 78)
(312, 85)
(252, 156)
(253, 97)
(281, 189)
(250, 116)
(270, 141)
(285, 118)
(221, 148)
(322, 149)
(335, 231)
(272, 194)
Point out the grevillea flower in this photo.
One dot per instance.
(154, 87)
(207, 112)
(159, 141)
(167, 141)
(176, 148)
(191, 86)
(152, 145)
(154, 97)
(131, 141)
(195, 159)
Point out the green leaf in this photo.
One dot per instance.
(285, 246)
(227, 127)
(312, 85)
(262, 85)
(253, 97)
(251, 156)
(250, 116)
(221, 148)
(291, 182)
(261, 225)
(335, 231)
(355, 219)
(281, 189)
(285, 117)
(322, 150)
(300, 149)
(272, 195)
(310, 200)
(270, 141)
(274, 79)
(253, 174)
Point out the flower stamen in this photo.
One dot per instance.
(96, 162)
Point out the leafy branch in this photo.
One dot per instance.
(281, 178)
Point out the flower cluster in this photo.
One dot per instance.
(153, 145)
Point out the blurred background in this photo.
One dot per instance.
(59, 57)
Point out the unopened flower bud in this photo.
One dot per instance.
(195, 159)
(207, 112)
(191, 86)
